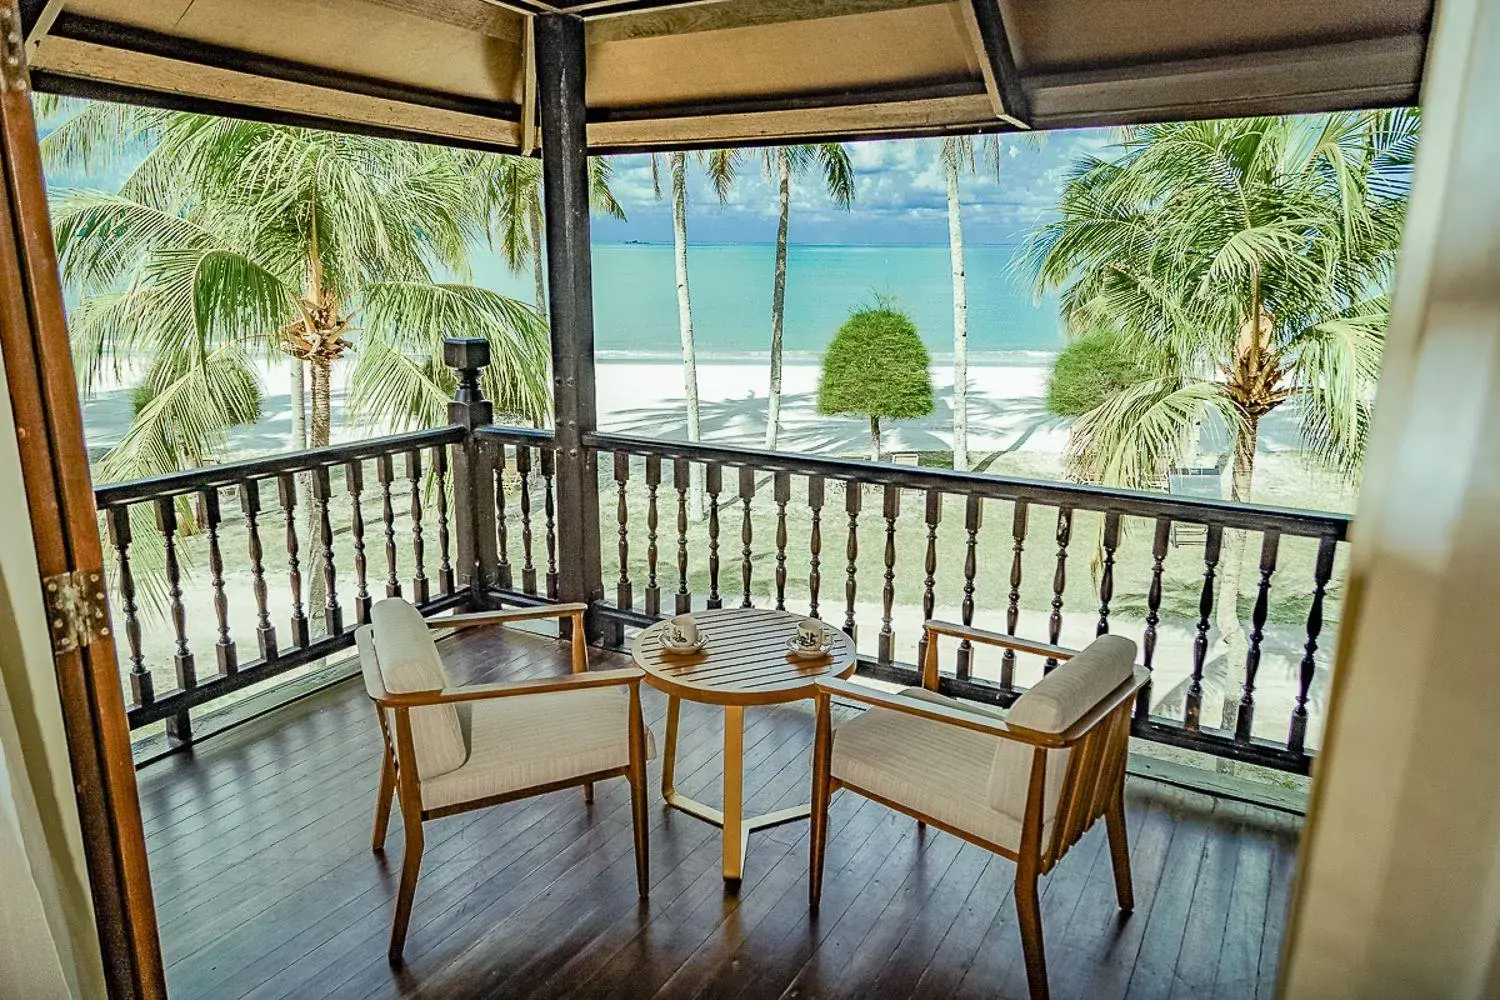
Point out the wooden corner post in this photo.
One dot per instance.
(570, 298)
(473, 478)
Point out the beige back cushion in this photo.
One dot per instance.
(408, 661)
(1052, 705)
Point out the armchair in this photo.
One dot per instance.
(452, 749)
(1025, 785)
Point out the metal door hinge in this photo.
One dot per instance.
(77, 612)
(12, 51)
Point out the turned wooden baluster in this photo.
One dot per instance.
(852, 499)
(549, 508)
(287, 486)
(933, 515)
(715, 487)
(528, 567)
(1270, 541)
(322, 490)
(224, 650)
(623, 596)
(265, 632)
(354, 482)
(1013, 607)
(653, 586)
(118, 521)
(1110, 542)
(890, 509)
(419, 583)
(1159, 544)
(681, 479)
(1322, 573)
(502, 530)
(782, 492)
(747, 498)
(973, 519)
(445, 561)
(179, 727)
(385, 471)
(1059, 582)
(1212, 546)
(815, 496)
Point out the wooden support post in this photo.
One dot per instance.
(560, 81)
(476, 558)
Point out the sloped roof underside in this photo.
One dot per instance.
(682, 73)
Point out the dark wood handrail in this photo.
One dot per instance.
(230, 473)
(1137, 503)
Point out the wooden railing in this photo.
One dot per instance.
(317, 502)
(1096, 551)
(903, 544)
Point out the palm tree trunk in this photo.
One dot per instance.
(960, 324)
(537, 255)
(685, 321)
(1227, 613)
(322, 416)
(299, 404)
(874, 438)
(778, 298)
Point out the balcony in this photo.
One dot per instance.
(266, 887)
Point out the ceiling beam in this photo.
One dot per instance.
(492, 20)
(997, 61)
(618, 20)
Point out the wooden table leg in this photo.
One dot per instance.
(669, 752)
(734, 772)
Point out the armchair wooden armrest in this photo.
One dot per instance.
(541, 611)
(509, 689)
(575, 611)
(934, 712)
(1018, 643)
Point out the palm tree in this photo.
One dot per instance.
(512, 191)
(1242, 266)
(232, 239)
(957, 152)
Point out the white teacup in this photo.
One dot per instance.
(683, 631)
(810, 633)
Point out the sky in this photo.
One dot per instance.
(900, 196)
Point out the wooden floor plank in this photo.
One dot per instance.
(268, 890)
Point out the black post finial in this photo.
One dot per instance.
(468, 356)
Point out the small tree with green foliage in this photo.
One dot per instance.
(876, 367)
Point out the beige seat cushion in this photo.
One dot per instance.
(408, 661)
(528, 740)
(932, 768)
(1050, 706)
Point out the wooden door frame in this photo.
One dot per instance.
(60, 501)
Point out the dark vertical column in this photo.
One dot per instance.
(549, 510)
(1245, 720)
(560, 91)
(473, 479)
(891, 509)
(973, 521)
(385, 471)
(354, 481)
(934, 515)
(1211, 548)
(782, 491)
(265, 632)
(653, 585)
(624, 596)
(179, 727)
(224, 650)
(852, 501)
(322, 489)
(118, 519)
(1059, 582)
(1013, 608)
(814, 543)
(747, 498)
(1159, 543)
(419, 584)
(1322, 573)
(715, 477)
(681, 479)
(1110, 542)
(445, 562)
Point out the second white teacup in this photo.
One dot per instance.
(810, 633)
(684, 631)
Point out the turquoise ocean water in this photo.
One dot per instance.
(635, 298)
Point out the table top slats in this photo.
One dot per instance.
(745, 661)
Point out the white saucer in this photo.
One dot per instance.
(810, 652)
(672, 647)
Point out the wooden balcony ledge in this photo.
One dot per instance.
(260, 856)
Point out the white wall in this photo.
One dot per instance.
(48, 943)
(1399, 892)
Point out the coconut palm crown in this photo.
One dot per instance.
(231, 239)
(1244, 264)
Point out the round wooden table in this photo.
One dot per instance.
(744, 662)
